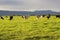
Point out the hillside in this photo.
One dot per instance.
(28, 13)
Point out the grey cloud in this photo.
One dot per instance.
(11, 2)
(31, 4)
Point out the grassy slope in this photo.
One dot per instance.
(30, 29)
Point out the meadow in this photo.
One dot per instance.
(30, 29)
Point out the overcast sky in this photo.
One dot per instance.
(30, 5)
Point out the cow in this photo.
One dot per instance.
(11, 17)
(2, 18)
(48, 16)
(43, 15)
(25, 17)
(57, 16)
(38, 16)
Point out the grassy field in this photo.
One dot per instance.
(30, 29)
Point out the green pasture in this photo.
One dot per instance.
(30, 29)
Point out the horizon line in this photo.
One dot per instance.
(30, 10)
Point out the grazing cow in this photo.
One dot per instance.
(48, 16)
(57, 16)
(11, 17)
(25, 17)
(38, 16)
(43, 15)
(2, 18)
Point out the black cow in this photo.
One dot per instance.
(2, 18)
(11, 17)
(48, 16)
(43, 15)
(57, 16)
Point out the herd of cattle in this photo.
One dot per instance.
(11, 17)
(26, 17)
